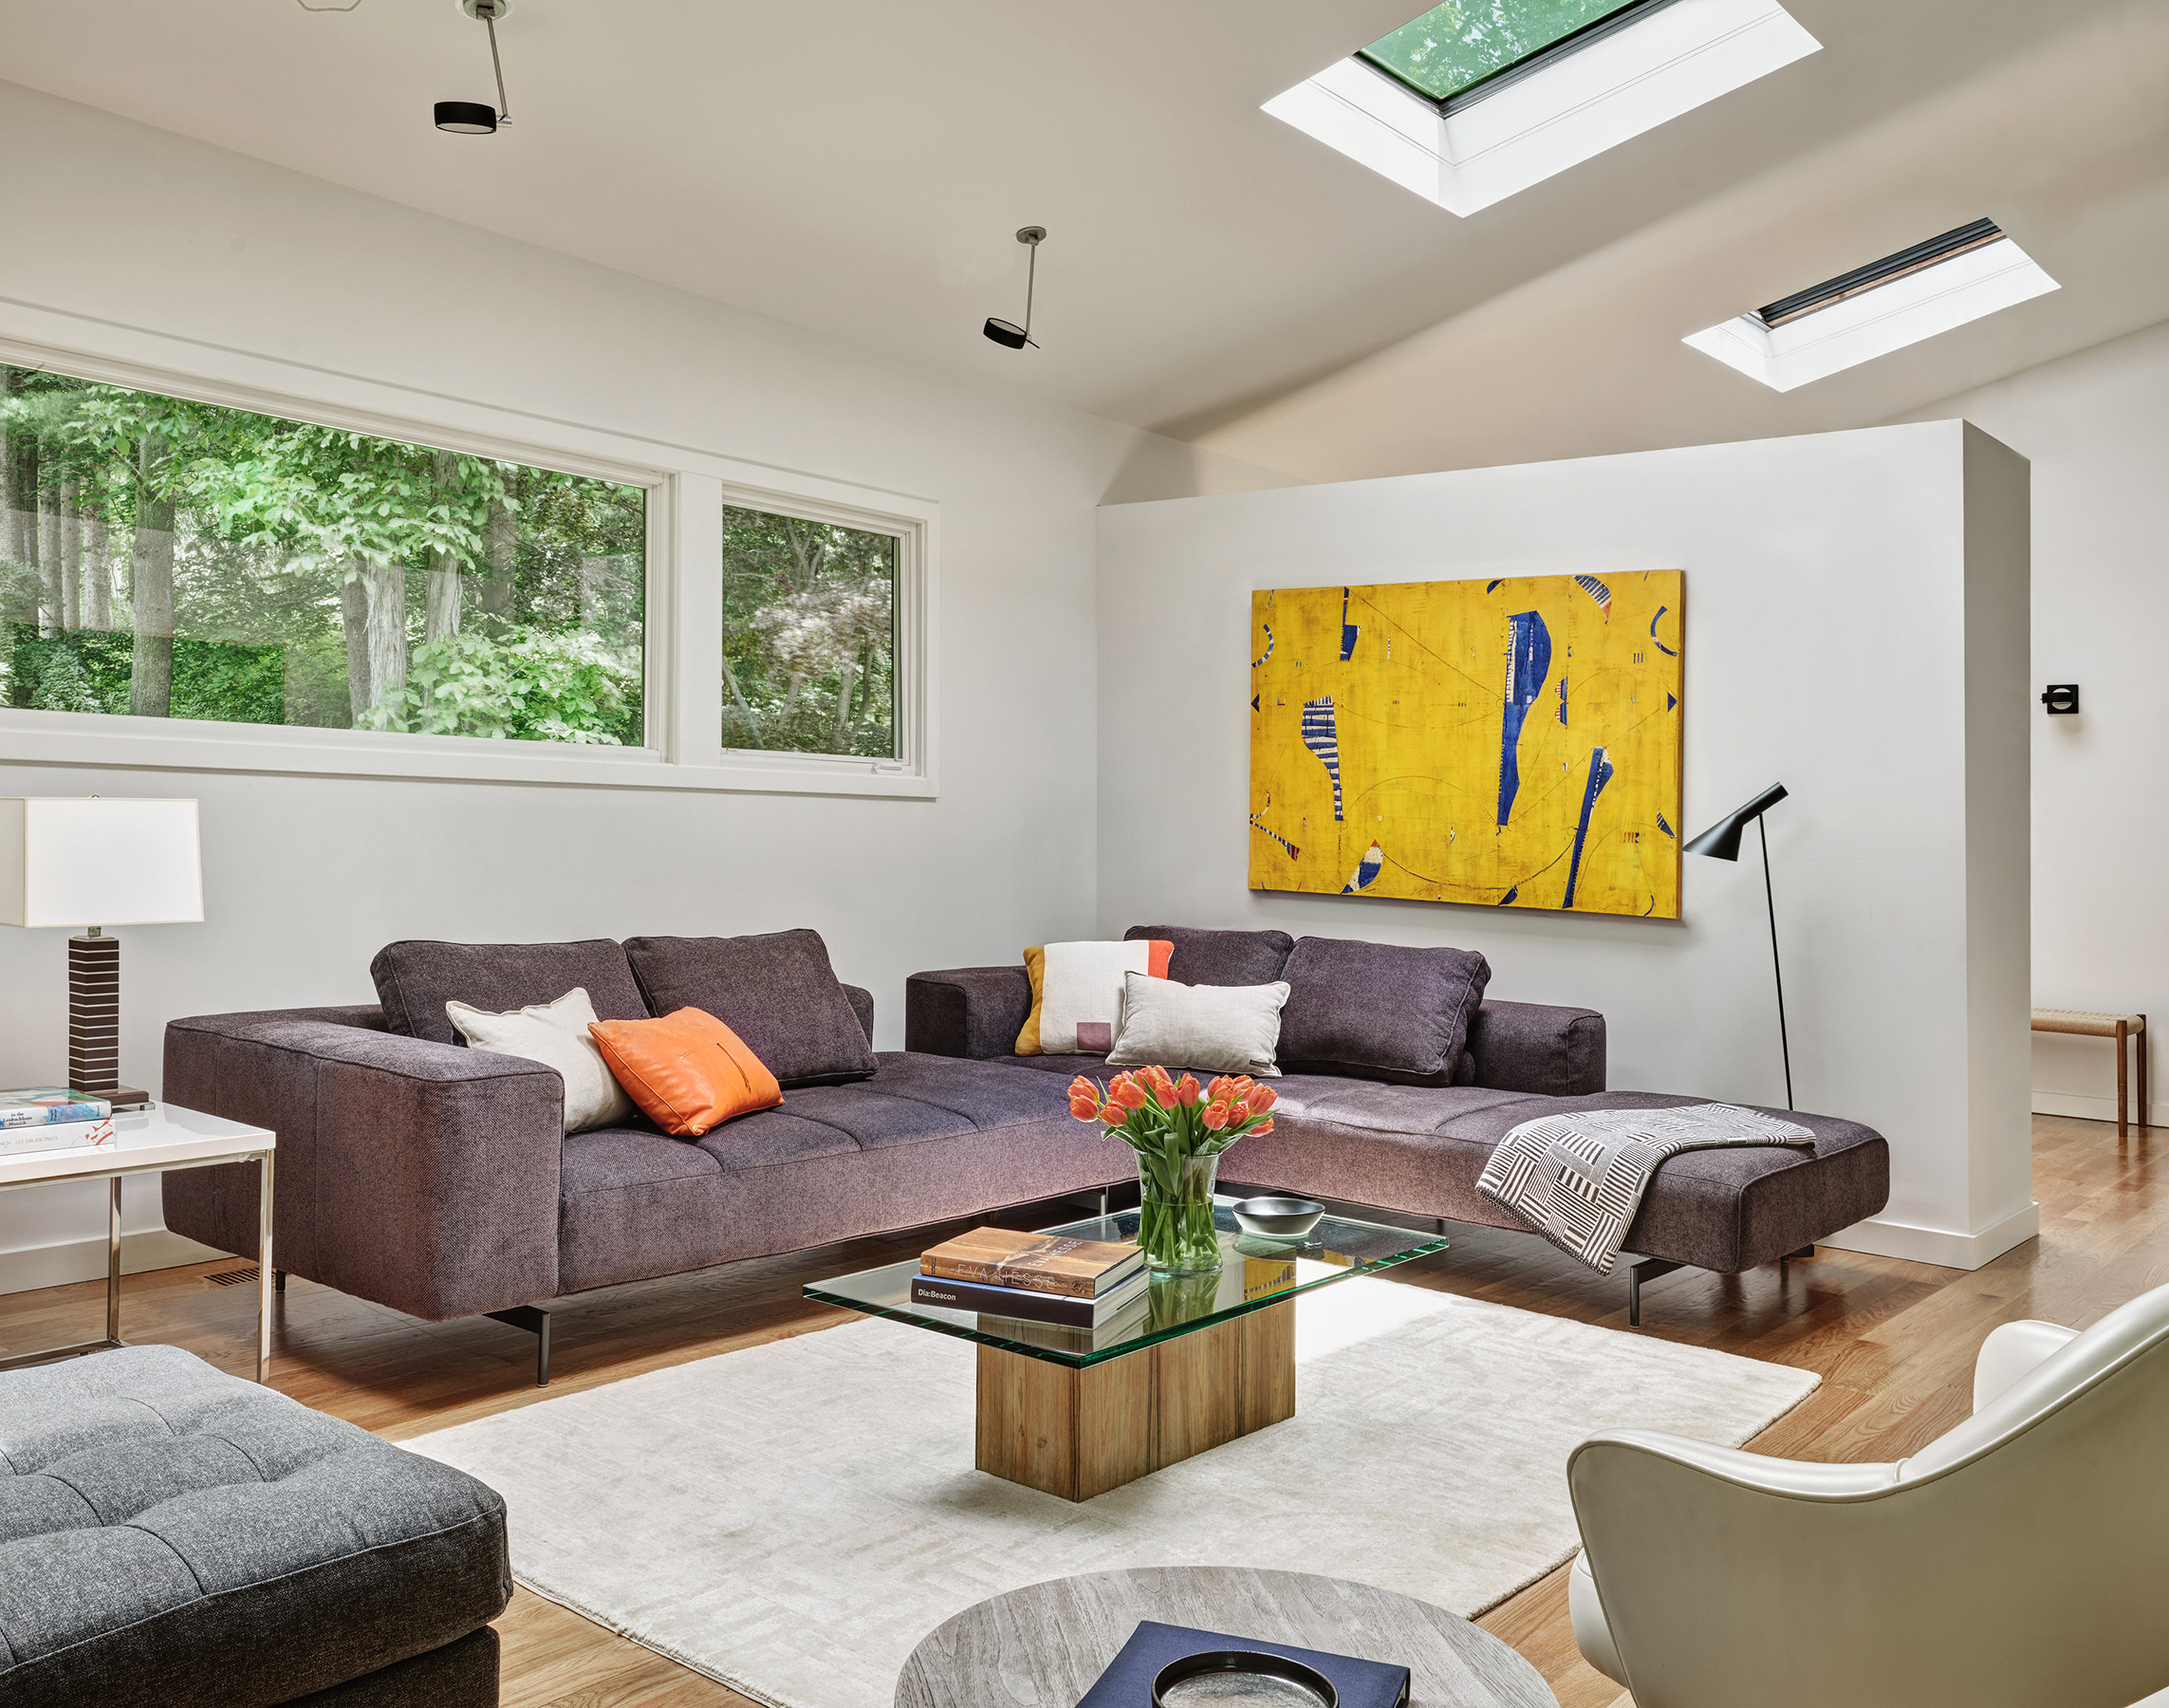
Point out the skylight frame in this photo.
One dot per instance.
(1567, 108)
(1514, 71)
(1909, 303)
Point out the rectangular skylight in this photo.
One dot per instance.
(1531, 88)
(1455, 47)
(1930, 288)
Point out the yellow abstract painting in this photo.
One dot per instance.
(1512, 742)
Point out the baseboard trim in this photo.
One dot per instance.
(2082, 1107)
(1881, 1237)
(85, 1259)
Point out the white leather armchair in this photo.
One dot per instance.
(2021, 1561)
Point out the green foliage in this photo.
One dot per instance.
(1455, 45)
(566, 687)
(808, 635)
(88, 670)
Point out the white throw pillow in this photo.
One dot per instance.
(555, 1034)
(1215, 1028)
(1077, 994)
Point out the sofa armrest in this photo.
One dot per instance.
(1535, 1047)
(422, 1176)
(974, 1011)
(861, 1005)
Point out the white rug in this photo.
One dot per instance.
(792, 1519)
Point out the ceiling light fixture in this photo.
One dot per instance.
(478, 118)
(1008, 333)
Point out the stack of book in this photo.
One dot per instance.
(1039, 1277)
(42, 1117)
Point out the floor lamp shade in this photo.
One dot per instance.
(95, 862)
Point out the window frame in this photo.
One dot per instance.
(682, 632)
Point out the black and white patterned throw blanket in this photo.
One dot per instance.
(1578, 1178)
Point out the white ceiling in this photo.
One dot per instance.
(857, 166)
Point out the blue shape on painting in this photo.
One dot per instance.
(1596, 591)
(1318, 737)
(1671, 700)
(1660, 646)
(1493, 587)
(1562, 702)
(1367, 870)
(1267, 653)
(1666, 828)
(1530, 664)
(1599, 775)
(1347, 630)
(1507, 899)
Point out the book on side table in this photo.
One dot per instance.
(1128, 1681)
(41, 1118)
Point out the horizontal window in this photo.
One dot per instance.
(161, 557)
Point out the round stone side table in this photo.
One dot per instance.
(1043, 1647)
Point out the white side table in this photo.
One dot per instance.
(150, 1142)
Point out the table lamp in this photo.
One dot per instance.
(69, 860)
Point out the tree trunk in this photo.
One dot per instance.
(590, 572)
(846, 673)
(151, 582)
(745, 712)
(386, 584)
(71, 554)
(51, 610)
(440, 604)
(18, 485)
(501, 542)
(354, 618)
(97, 574)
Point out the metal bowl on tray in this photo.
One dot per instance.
(1279, 1217)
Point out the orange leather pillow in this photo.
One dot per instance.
(688, 1072)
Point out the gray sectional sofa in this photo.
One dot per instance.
(437, 1180)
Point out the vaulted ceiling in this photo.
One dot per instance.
(858, 166)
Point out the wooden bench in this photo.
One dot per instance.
(2123, 1028)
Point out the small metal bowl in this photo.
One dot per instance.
(1299, 1683)
(1279, 1217)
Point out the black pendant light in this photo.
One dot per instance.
(1008, 333)
(476, 117)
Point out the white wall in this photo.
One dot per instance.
(2096, 428)
(131, 239)
(1856, 629)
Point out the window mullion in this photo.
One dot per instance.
(692, 730)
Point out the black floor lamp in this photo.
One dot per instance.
(1722, 841)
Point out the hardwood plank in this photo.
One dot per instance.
(1892, 1341)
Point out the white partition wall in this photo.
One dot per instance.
(1857, 628)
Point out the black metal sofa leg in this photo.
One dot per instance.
(535, 1320)
(1639, 1271)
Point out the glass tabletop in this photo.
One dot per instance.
(1254, 1272)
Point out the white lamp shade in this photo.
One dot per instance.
(94, 861)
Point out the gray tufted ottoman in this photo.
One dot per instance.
(171, 1536)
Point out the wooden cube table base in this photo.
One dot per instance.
(1078, 1433)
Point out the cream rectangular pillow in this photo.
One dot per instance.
(1208, 1028)
(555, 1034)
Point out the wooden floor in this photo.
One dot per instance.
(1893, 1343)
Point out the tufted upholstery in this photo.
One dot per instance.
(173, 1536)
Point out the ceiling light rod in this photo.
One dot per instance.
(1008, 333)
(475, 117)
(1978, 234)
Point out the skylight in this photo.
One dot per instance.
(1478, 99)
(1455, 47)
(1929, 287)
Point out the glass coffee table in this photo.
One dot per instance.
(1204, 1359)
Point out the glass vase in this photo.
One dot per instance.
(1174, 1215)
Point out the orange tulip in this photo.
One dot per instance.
(1113, 1113)
(1219, 1087)
(1128, 1093)
(1215, 1116)
(1084, 1108)
(1186, 1090)
(1262, 1128)
(1155, 1081)
(1261, 1098)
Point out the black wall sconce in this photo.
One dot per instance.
(2060, 697)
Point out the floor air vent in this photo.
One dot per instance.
(233, 1277)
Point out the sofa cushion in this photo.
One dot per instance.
(688, 1072)
(415, 979)
(1379, 1011)
(171, 1536)
(1219, 958)
(777, 991)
